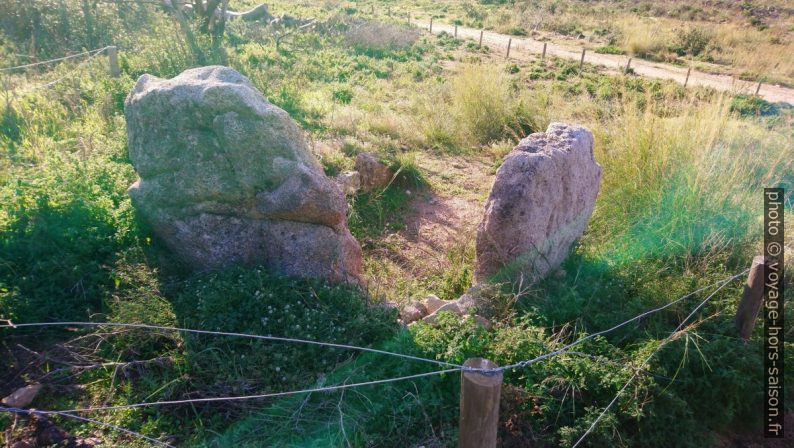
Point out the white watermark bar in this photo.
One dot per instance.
(773, 312)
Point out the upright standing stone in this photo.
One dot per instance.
(226, 176)
(539, 205)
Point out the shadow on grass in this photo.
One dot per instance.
(54, 261)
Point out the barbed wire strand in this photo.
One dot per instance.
(85, 419)
(642, 366)
(523, 364)
(50, 61)
(10, 324)
(70, 73)
(255, 397)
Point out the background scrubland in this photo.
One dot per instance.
(679, 208)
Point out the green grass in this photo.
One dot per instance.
(677, 210)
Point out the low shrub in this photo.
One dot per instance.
(609, 49)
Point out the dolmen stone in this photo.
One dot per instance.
(540, 203)
(227, 177)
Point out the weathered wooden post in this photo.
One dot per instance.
(688, 71)
(480, 44)
(431, 25)
(113, 61)
(456, 31)
(479, 405)
(581, 61)
(543, 55)
(509, 41)
(628, 65)
(752, 298)
(758, 89)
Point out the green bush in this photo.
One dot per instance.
(752, 106)
(692, 41)
(609, 49)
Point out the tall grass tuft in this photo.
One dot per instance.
(685, 185)
(480, 102)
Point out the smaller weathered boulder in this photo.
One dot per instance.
(349, 182)
(541, 200)
(22, 397)
(374, 174)
(413, 312)
(433, 303)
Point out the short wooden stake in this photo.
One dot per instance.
(758, 89)
(456, 31)
(431, 25)
(581, 61)
(480, 44)
(113, 61)
(479, 405)
(752, 298)
(688, 71)
(628, 65)
(543, 55)
(509, 42)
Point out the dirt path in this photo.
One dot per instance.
(521, 46)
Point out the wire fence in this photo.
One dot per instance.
(52, 61)
(451, 367)
(90, 53)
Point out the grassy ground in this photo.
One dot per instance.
(679, 208)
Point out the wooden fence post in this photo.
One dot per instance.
(113, 61)
(752, 298)
(581, 61)
(456, 31)
(480, 44)
(543, 55)
(509, 42)
(758, 89)
(431, 25)
(479, 405)
(688, 71)
(628, 65)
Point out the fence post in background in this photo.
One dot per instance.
(509, 42)
(543, 55)
(581, 61)
(688, 71)
(758, 89)
(456, 31)
(113, 61)
(479, 405)
(388, 11)
(628, 65)
(431, 25)
(752, 298)
(480, 44)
